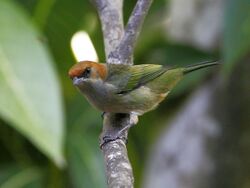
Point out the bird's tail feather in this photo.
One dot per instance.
(192, 68)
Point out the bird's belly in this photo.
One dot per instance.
(143, 100)
(137, 101)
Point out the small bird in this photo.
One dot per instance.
(133, 89)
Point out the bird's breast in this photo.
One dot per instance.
(104, 97)
(99, 94)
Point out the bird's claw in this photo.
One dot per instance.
(103, 114)
(112, 137)
(115, 134)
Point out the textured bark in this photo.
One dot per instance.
(124, 52)
(111, 16)
(119, 47)
(118, 169)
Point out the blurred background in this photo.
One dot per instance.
(198, 138)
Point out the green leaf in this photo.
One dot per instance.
(30, 97)
(85, 160)
(42, 11)
(236, 32)
(24, 177)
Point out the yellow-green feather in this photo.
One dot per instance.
(158, 78)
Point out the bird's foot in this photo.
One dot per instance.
(112, 136)
(103, 114)
(115, 134)
(118, 133)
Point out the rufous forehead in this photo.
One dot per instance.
(77, 69)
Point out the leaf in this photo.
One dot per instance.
(236, 32)
(30, 98)
(85, 160)
(23, 177)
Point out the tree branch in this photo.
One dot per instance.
(124, 52)
(110, 14)
(119, 47)
(118, 168)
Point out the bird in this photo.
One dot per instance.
(128, 89)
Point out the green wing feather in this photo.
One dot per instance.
(127, 78)
(132, 77)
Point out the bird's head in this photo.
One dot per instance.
(87, 71)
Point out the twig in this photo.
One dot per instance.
(118, 168)
(119, 47)
(110, 14)
(124, 52)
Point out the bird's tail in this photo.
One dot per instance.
(192, 68)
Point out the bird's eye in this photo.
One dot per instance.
(86, 73)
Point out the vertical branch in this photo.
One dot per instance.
(118, 168)
(110, 14)
(118, 171)
(119, 47)
(124, 52)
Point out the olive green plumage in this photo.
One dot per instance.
(127, 89)
(158, 77)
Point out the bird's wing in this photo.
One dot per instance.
(132, 77)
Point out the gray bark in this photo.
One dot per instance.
(118, 168)
(111, 16)
(119, 47)
(124, 52)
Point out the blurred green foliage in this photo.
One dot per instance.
(44, 120)
(30, 98)
(236, 41)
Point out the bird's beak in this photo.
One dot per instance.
(77, 81)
